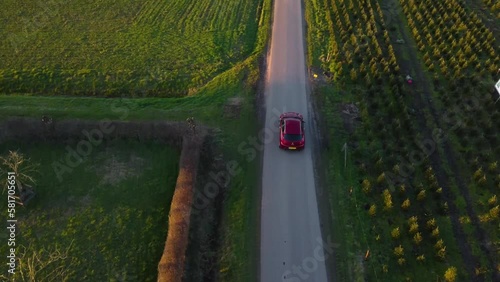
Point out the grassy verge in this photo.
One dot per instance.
(122, 188)
(239, 250)
(342, 176)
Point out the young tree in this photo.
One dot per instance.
(406, 204)
(435, 232)
(441, 253)
(366, 186)
(387, 200)
(431, 223)
(492, 200)
(493, 166)
(413, 227)
(421, 258)
(494, 212)
(421, 195)
(373, 210)
(451, 274)
(417, 238)
(399, 251)
(395, 233)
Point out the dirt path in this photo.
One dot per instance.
(407, 57)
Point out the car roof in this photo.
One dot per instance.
(292, 126)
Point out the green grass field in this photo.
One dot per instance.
(238, 231)
(115, 48)
(208, 50)
(110, 212)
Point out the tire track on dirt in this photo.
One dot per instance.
(421, 92)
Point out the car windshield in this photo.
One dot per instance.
(293, 137)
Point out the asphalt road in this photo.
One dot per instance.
(292, 248)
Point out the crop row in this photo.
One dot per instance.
(359, 56)
(457, 40)
(89, 82)
(171, 47)
(460, 51)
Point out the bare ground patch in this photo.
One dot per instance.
(114, 170)
(233, 106)
(350, 116)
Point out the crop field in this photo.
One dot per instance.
(122, 48)
(106, 219)
(421, 179)
(81, 52)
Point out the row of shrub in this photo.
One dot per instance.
(458, 47)
(360, 56)
(90, 82)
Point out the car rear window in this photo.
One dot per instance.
(293, 137)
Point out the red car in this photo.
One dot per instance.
(292, 131)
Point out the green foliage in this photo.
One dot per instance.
(395, 233)
(431, 223)
(494, 212)
(123, 187)
(417, 238)
(399, 251)
(435, 232)
(441, 253)
(492, 200)
(451, 274)
(406, 204)
(421, 258)
(373, 210)
(381, 178)
(387, 200)
(421, 195)
(366, 186)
